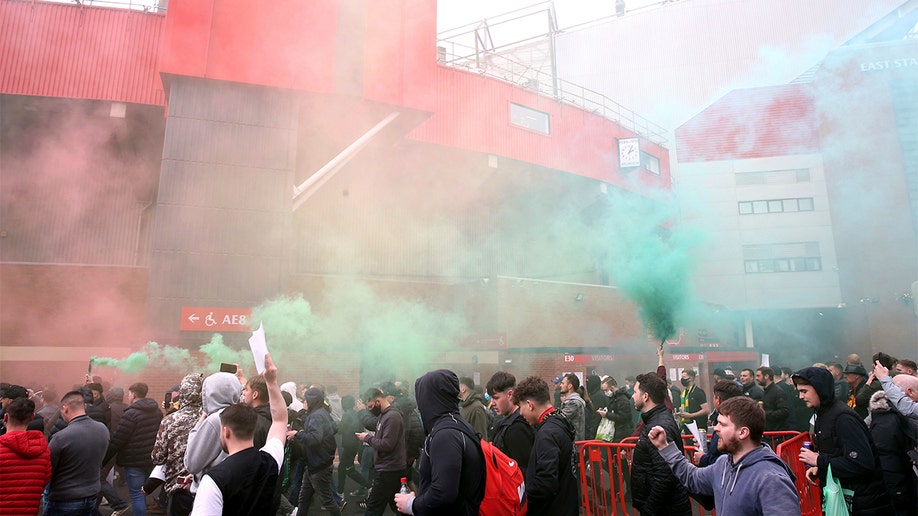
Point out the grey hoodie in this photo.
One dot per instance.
(573, 408)
(204, 451)
(759, 483)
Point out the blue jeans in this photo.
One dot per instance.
(78, 507)
(135, 478)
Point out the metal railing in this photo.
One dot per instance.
(500, 65)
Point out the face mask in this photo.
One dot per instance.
(376, 411)
(608, 393)
(685, 382)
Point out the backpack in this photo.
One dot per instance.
(505, 490)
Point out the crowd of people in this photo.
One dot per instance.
(228, 444)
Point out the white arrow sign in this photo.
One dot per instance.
(193, 318)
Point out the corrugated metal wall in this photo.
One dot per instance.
(76, 51)
(77, 184)
(223, 209)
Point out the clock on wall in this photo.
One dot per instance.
(629, 152)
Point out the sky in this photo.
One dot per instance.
(454, 13)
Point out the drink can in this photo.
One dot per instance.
(808, 445)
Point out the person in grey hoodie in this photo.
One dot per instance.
(748, 478)
(204, 450)
(573, 406)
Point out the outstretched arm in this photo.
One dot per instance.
(278, 428)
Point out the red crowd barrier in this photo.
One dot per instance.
(789, 451)
(605, 478)
(605, 474)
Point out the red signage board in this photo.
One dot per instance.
(686, 357)
(585, 359)
(216, 319)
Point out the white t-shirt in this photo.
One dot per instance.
(209, 499)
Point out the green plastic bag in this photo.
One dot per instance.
(834, 499)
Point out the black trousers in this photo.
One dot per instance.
(385, 485)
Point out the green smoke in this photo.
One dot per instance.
(648, 256)
(216, 352)
(133, 363)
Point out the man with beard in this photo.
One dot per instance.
(472, 407)
(749, 478)
(389, 458)
(513, 436)
(654, 488)
(573, 406)
(774, 402)
(244, 482)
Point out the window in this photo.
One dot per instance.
(650, 163)
(775, 206)
(530, 118)
(788, 257)
(773, 177)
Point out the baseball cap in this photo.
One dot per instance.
(15, 391)
(558, 379)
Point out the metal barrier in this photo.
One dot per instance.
(789, 450)
(605, 474)
(605, 478)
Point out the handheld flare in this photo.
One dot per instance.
(89, 371)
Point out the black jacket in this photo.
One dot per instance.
(133, 440)
(451, 468)
(551, 479)
(892, 436)
(262, 425)
(318, 438)
(514, 436)
(620, 412)
(654, 488)
(776, 411)
(843, 441)
(99, 411)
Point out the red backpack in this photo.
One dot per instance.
(505, 491)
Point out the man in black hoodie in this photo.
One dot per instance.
(452, 469)
(551, 478)
(132, 442)
(318, 439)
(841, 440)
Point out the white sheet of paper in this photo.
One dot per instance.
(765, 360)
(259, 347)
(693, 428)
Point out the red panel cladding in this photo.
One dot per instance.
(183, 50)
(401, 53)
(752, 123)
(72, 51)
(473, 113)
(282, 43)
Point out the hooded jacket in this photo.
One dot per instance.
(842, 439)
(620, 412)
(132, 441)
(25, 469)
(452, 468)
(758, 483)
(551, 479)
(891, 433)
(574, 408)
(318, 434)
(473, 410)
(204, 450)
(172, 439)
(296, 405)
